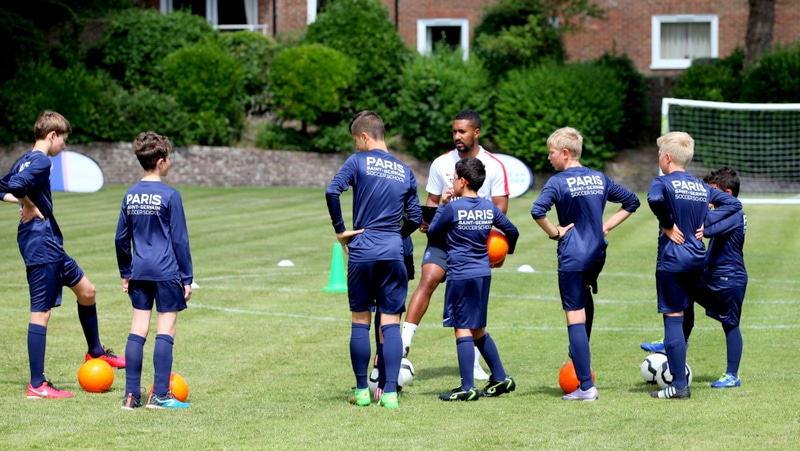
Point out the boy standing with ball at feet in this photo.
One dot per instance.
(680, 203)
(579, 195)
(466, 222)
(49, 268)
(384, 189)
(155, 264)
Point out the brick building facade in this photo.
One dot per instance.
(638, 28)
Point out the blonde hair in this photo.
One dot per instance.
(567, 138)
(678, 144)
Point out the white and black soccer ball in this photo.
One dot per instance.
(405, 377)
(664, 376)
(651, 366)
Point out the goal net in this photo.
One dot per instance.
(761, 141)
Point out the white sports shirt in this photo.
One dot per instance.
(440, 176)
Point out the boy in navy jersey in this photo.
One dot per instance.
(155, 264)
(41, 244)
(680, 203)
(725, 276)
(384, 189)
(579, 195)
(466, 223)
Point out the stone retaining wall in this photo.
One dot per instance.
(228, 166)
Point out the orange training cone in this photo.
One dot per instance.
(338, 279)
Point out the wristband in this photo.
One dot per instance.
(556, 236)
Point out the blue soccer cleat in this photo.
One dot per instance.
(727, 381)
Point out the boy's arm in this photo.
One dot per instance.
(180, 240)
(511, 232)
(719, 223)
(413, 212)
(616, 219)
(122, 244)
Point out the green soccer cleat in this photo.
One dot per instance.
(360, 397)
(389, 400)
(495, 388)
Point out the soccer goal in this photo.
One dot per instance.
(761, 141)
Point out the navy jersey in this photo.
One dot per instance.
(580, 195)
(40, 241)
(152, 222)
(725, 255)
(384, 188)
(681, 199)
(467, 222)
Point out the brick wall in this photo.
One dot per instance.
(628, 28)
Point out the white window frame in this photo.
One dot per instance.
(212, 17)
(659, 63)
(424, 44)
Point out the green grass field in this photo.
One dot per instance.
(265, 350)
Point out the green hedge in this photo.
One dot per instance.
(776, 78)
(136, 40)
(531, 104)
(435, 89)
(718, 80)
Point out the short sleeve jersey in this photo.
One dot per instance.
(681, 199)
(152, 240)
(383, 189)
(443, 168)
(580, 195)
(466, 223)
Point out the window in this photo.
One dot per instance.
(677, 40)
(434, 32)
(313, 8)
(221, 14)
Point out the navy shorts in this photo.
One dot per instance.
(466, 303)
(166, 294)
(574, 288)
(677, 290)
(46, 281)
(724, 304)
(381, 285)
(436, 256)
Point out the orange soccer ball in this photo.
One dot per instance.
(497, 246)
(96, 376)
(567, 378)
(178, 387)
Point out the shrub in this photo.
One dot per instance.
(776, 78)
(208, 84)
(531, 104)
(435, 89)
(137, 39)
(254, 52)
(20, 41)
(276, 137)
(75, 93)
(309, 80)
(361, 29)
(718, 80)
(517, 33)
(139, 110)
(634, 101)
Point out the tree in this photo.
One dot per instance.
(517, 33)
(760, 23)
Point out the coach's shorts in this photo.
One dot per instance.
(380, 285)
(724, 304)
(676, 290)
(408, 260)
(466, 303)
(166, 294)
(46, 281)
(435, 255)
(574, 288)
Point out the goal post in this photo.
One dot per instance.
(760, 141)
